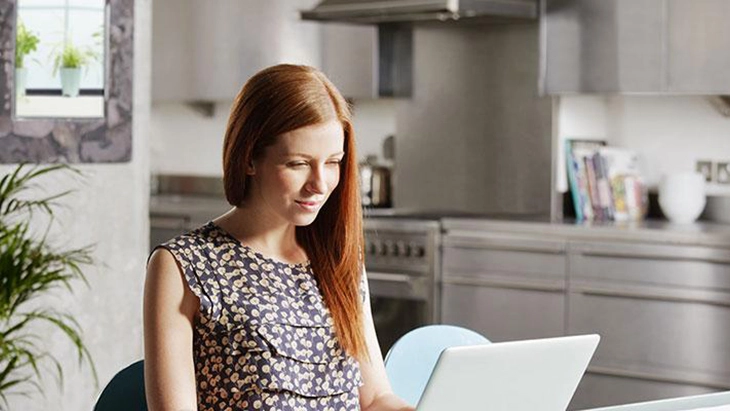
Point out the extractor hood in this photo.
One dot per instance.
(383, 11)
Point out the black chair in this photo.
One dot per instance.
(125, 392)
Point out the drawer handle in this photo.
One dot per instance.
(712, 257)
(496, 246)
(670, 296)
(456, 280)
(390, 277)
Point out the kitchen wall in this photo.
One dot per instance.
(184, 141)
(460, 139)
(109, 209)
(475, 136)
(670, 133)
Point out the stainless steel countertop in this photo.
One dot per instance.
(651, 231)
(200, 209)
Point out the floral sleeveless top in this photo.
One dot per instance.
(264, 339)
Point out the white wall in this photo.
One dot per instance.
(110, 210)
(670, 133)
(184, 141)
(373, 120)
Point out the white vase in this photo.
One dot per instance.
(682, 196)
(70, 81)
(21, 77)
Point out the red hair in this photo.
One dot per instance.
(277, 100)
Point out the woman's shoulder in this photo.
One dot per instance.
(195, 238)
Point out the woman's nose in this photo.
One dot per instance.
(317, 183)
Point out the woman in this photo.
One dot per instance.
(266, 307)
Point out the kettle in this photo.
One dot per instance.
(375, 183)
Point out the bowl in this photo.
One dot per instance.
(682, 196)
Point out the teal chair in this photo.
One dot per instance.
(125, 392)
(411, 359)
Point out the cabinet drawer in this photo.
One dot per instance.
(504, 314)
(669, 341)
(599, 390)
(503, 257)
(680, 273)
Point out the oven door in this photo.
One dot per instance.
(400, 302)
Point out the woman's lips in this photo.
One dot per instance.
(309, 205)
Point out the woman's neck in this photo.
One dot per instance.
(270, 236)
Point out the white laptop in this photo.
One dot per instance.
(529, 375)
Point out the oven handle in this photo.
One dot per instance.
(390, 277)
(394, 285)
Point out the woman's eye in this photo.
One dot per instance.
(335, 162)
(296, 164)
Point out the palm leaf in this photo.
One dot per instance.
(29, 268)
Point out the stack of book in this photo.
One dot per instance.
(605, 182)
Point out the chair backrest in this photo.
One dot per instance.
(125, 392)
(412, 358)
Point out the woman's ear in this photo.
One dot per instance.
(250, 169)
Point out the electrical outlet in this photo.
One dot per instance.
(722, 175)
(705, 168)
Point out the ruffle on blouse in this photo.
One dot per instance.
(306, 360)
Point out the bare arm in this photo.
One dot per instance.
(376, 393)
(169, 311)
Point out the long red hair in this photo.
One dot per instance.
(277, 100)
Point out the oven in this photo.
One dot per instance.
(402, 260)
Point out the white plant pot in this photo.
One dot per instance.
(21, 77)
(70, 81)
(682, 196)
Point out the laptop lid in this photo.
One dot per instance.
(529, 375)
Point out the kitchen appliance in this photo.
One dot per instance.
(382, 11)
(403, 264)
(402, 260)
(375, 178)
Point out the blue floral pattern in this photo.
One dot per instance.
(264, 339)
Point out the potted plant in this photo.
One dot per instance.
(31, 267)
(25, 42)
(70, 60)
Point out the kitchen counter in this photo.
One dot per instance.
(652, 231)
(657, 293)
(706, 401)
(197, 209)
(200, 209)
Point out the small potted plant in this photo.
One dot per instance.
(70, 60)
(30, 267)
(25, 42)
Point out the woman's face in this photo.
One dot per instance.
(296, 175)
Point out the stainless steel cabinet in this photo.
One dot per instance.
(205, 51)
(349, 58)
(699, 46)
(636, 46)
(662, 313)
(603, 46)
(506, 287)
(369, 61)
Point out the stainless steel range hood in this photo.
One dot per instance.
(383, 11)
